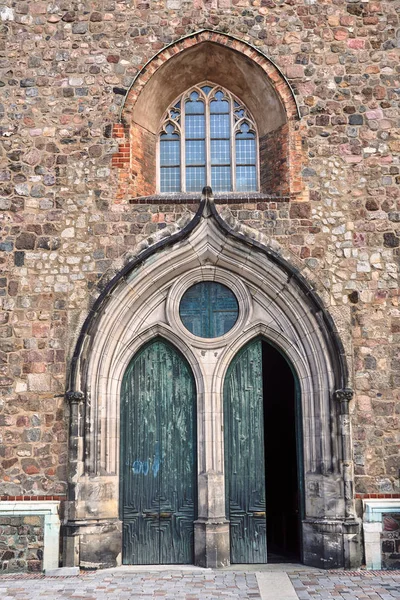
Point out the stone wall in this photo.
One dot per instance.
(21, 544)
(390, 540)
(65, 69)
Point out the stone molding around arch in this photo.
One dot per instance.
(136, 307)
(233, 64)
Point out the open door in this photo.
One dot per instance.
(262, 456)
(244, 456)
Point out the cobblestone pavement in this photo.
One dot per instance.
(347, 586)
(200, 585)
(176, 585)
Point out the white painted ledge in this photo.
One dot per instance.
(49, 509)
(372, 525)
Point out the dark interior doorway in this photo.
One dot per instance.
(281, 458)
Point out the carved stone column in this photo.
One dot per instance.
(344, 396)
(75, 445)
(75, 399)
(211, 530)
(351, 527)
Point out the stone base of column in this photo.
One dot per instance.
(93, 544)
(70, 554)
(211, 543)
(331, 544)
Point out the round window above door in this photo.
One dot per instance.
(208, 309)
(208, 306)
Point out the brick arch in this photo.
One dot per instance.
(267, 92)
(274, 74)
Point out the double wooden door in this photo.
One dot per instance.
(158, 457)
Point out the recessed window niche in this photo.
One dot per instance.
(248, 77)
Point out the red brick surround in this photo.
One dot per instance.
(365, 496)
(32, 498)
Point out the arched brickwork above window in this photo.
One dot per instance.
(232, 64)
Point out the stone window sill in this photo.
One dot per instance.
(221, 198)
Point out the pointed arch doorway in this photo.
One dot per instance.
(158, 457)
(262, 456)
(274, 301)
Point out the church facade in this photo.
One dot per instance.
(200, 302)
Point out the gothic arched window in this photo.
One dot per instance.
(208, 137)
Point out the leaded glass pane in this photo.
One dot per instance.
(244, 132)
(195, 179)
(220, 126)
(194, 105)
(170, 160)
(220, 146)
(209, 309)
(170, 179)
(239, 114)
(220, 152)
(195, 126)
(170, 133)
(221, 179)
(208, 153)
(219, 105)
(195, 152)
(245, 152)
(246, 173)
(170, 153)
(246, 179)
(175, 114)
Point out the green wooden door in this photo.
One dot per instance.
(244, 456)
(158, 464)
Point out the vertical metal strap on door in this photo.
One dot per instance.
(244, 456)
(158, 464)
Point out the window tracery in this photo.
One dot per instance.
(208, 137)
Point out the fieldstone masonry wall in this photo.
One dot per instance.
(21, 543)
(390, 540)
(66, 229)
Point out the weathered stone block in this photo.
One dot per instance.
(39, 382)
(26, 241)
(80, 27)
(391, 240)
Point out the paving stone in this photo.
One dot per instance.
(198, 585)
(366, 586)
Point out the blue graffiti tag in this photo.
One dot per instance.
(151, 464)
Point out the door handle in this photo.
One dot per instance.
(258, 513)
(151, 515)
(165, 515)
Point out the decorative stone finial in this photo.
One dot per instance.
(207, 196)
